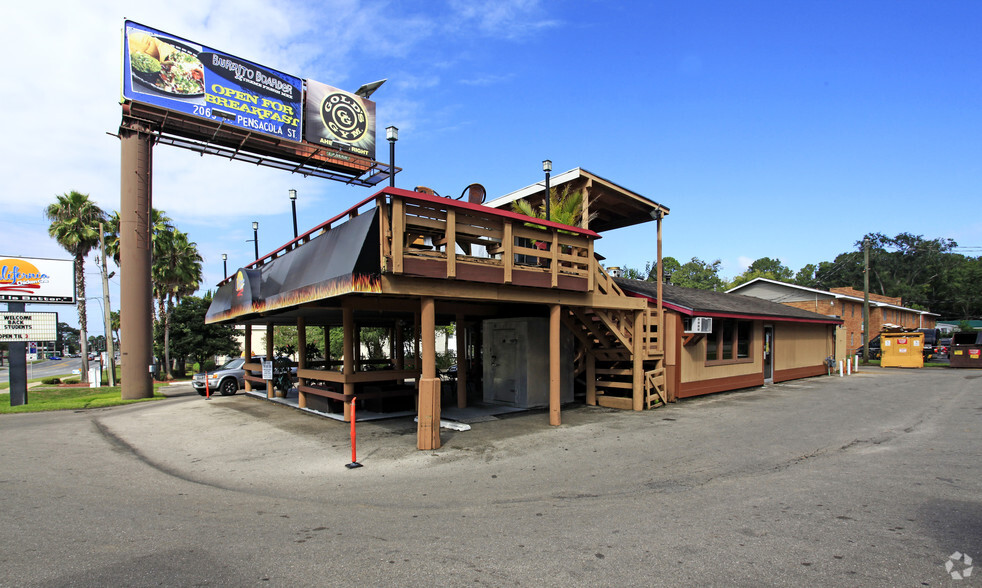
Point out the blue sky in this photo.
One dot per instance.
(784, 129)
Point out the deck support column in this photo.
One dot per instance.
(591, 378)
(301, 358)
(348, 368)
(247, 353)
(461, 363)
(269, 357)
(554, 362)
(637, 369)
(399, 358)
(428, 427)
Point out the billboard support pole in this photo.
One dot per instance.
(136, 332)
(16, 351)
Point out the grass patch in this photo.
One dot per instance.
(44, 399)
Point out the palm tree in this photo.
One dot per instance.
(565, 207)
(75, 226)
(175, 273)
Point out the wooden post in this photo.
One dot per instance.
(554, 362)
(451, 246)
(247, 352)
(428, 426)
(398, 234)
(269, 357)
(660, 346)
(507, 250)
(637, 369)
(301, 358)
(461, 363)
(591, 378)
(348, 369)
(399, 359)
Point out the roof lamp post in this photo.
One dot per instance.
(225, 264)
(547, 167)
(293, 204)
(392, 134)
(255, 237)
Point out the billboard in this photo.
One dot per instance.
(179, 75)
(30, 279)
(338, 119)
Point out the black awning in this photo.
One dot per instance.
(343, 260)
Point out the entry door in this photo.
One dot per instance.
(504, 365)
(768, 354)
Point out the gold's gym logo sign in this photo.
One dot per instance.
(17, 275)
(344, 116)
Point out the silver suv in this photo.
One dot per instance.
(226, 380)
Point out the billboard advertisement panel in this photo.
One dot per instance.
(30, 279)
(340, 120)
(173, 73)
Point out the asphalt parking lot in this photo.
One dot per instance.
(867, 480)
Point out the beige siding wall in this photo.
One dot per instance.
(693, 366)
(798, 345)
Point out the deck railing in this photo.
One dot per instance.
(470, 240)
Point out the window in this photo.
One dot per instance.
(730, 342)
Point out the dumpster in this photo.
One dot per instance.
(902, 350)
(966, 350)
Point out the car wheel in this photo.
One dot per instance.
(229, 387)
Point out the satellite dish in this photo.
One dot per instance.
(367, 90)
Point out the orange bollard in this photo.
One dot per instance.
(354, 462)
(207, 390)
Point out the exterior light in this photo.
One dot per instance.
(392, 134)
(225, 264)
(293, 205)
(547, 167)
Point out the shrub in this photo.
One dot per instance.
(70, 381)
(50, 381)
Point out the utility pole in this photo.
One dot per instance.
(110, 348)
(865, 300)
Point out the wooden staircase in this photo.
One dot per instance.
(621, 357)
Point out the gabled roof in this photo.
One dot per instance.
(836, 295)
(693, 301)
(614, 206)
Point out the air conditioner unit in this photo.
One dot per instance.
(700, 324)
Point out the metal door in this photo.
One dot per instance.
(504, 364)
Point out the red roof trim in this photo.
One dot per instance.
(733, 315)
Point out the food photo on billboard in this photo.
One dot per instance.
(173, 73)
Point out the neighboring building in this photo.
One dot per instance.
(752, 341)
(844, 303)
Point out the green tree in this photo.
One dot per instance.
(695, 273)
(192, 339)
(67, 337)
(765, 267)
(175, 273)
(565, 207)
(75, 226)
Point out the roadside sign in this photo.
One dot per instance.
(21, 326)
(267, 370)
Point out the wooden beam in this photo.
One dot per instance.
(348, 345)
(461, 362)
(301, 359)
(555, 311)
(428, 421)
(247, 353)
(638, 362)
(451, 245)
(269, 357)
